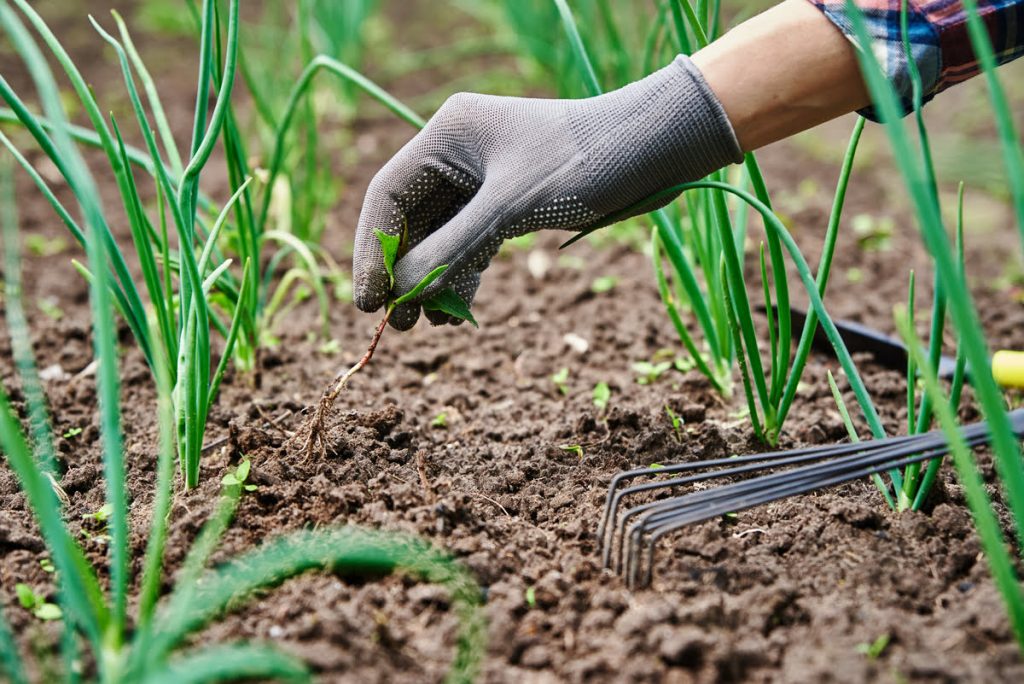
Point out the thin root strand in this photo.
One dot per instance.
(317, 437)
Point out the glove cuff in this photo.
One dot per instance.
(707, 124)
(662, 130)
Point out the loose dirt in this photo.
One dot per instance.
(786, 592)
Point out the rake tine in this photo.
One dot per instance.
(812, 472)
(765, 495)
(878, 450)
(751, 464)
(700, 506)
(768, 456)
(826, 466)
(766, 460)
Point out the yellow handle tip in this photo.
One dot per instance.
(1008, 368)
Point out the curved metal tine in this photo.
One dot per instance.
(675, 468)
(608, 541)
(819, 451)
(1017, 422)
(611, 507)
(765, 456)
(974, 435)
(926, 446)
(930, 441)
(731, 497)
(754, 463)
(767, 495)
(652, 513)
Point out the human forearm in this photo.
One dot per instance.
(782, 72)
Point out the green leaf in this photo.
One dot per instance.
(561, 379)
(230, 480)
(26, 597)
(422, 285)
(449, 301)
(603, 284)
(389, 246)
(242, 473)
(602, 394)
(874, 650)
(48, 612)
(573, 449)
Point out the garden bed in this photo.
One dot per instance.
(787, 592)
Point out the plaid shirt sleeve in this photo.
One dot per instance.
(939, 43)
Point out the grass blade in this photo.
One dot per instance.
(231, 662)
(1013, 156)
(673, 313)
(1004, 443)
(992, 541)
(17, 325)
(803, 348)
(10, 659)
(163, 127)
(345, 550)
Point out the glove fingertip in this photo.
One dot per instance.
(370, 291)
(404, 316)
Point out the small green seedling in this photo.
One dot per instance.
(561, 379)
(648, 372)
(36, 604)
(99, 518)
(47, 565)
(531, 596)
(72, 432)
(440, 421)
(50, 308)
(603, 284)
(874, 650)
(330, 348)
(44, 246)
(677, 422)
(238, 477)
(874, 234)
(602, 395)
(447, 300)
(573, 449)
(656, 466)
(100, 515)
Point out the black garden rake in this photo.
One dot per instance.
(628, 538)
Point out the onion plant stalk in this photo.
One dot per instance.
(157, 643)
(700, 234)
(182, 318)
(986, 521)
(1009, 464)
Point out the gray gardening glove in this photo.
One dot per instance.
(488, 168)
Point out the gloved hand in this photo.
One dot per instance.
(488, 168)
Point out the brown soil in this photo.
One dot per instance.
(785, 592)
